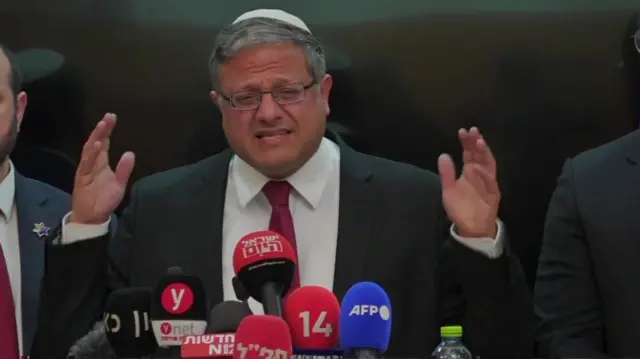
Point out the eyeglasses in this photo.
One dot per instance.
(285, 95)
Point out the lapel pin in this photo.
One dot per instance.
(40, 229)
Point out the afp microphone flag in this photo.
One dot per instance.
(365, 319)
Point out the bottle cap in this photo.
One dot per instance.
(451, 331)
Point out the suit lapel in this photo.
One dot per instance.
(208, 200)
(31, 205)
(355, 219)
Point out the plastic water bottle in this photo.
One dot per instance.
(451, 346)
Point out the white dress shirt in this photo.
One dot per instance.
(314, 205)
(10, 244)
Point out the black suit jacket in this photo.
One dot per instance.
(392, 230)
(586, 293)
(61, 285)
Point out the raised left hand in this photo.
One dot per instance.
(472, 200)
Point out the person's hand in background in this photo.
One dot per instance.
(98, 189)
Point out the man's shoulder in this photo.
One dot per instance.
(391, 172)
(180, 177)
(606, 157)
(58, 196)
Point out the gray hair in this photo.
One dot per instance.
(255, 31)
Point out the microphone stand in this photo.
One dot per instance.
(272, 299)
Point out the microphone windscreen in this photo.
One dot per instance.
(226, 317)
(262, 336)
(126, 322)
(174, 271)
(263, 257)
(365, 319)
(178, 308)
(313, 314)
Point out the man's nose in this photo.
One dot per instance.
(269, 109)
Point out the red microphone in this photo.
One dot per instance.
(265, 264)
(263, 336)
(208, 346)
(313, 314)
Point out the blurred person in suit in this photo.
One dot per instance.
(355, 215)
(46, 269)
(54, 128)
(585, 298)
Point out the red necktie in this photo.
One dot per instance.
(8, 330)
(277, 193)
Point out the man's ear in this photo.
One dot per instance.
(215, 97)
(21, 106)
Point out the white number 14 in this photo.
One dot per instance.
(320, 327)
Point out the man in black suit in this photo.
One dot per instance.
(49, 273)
(586, 298)
(356, 217)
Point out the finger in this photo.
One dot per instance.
(109, 120)
(90, 154)
(125, 168)
(483, 156)
(103, 128)
(488, 179)
(447, 171)
(468, 140)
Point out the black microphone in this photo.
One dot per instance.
(239, 290)
(226, 316)
(219, 340)
(178, 308)
(126, 322)
(265, 264)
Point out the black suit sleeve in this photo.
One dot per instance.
(566, 296)
(121, 245)
(488, 297)
(72, 296)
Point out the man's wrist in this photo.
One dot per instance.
(74, 219)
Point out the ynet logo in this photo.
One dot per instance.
(175, 332)
(177, 298)
(371, 310)
(258, 246)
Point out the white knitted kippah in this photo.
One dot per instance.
(274, 14)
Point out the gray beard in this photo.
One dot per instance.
(9, 142)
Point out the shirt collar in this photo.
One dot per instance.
(7, 192)
(309, 181)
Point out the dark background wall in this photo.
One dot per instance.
(542, 79)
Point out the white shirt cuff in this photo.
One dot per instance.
(490, 247)
(76, 232)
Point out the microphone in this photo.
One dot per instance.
(227, 316)
(126, 322)
(239, 290)
(263, 336)
(365, 321)
(178, 308)
(265, 263)
(219, 339)
(93, 345)
(313, 314)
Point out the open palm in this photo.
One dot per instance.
(471, 201)
(98, 190)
